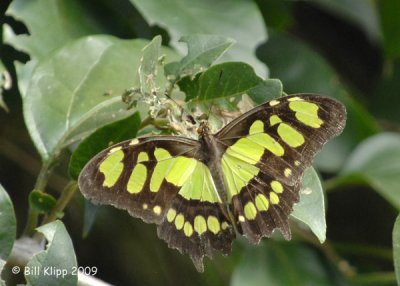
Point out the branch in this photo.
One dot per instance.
(62, 202)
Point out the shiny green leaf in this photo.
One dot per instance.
(64, 20)
(390, 22)
(280, 263)
(8, 227)
(5, 83)
(385, 101)
(147, 71)
(203, 50)
(223, 84)
(396, 248)
(68, 21)
(41, 202)
(377, 161)
(311, 207)
(59, 254)
(78, 90)
(240, 20)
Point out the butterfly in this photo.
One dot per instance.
(242, 180)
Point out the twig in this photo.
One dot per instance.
(374, 278)
(328, 250)
(33, 215)
(62, 202)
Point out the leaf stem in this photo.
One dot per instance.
(31, 222)
(40, 185)
(65, 197)
(146, 122)
(171, 88)
(43, 176)
(343, 266)
(328, 250)
(374, 278)
(365, 250)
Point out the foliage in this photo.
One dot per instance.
(100, 74)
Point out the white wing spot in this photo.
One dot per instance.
(273, 102)
(306, 191)
(114, 149)
(296, 98)
(134, 141)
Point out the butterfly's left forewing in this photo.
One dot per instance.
(162, 180)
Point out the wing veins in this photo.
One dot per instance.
(266, 169)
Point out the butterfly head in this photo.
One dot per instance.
(204, 128)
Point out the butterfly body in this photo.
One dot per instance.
(244, 179)
(211, 150)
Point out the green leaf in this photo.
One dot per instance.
(396, 248)
(223, 84)
(280, 263)
(390, 22)
(149, 65)
(66, 97)
(385, 101)
(100, 139)
(311, 207)
(41, 202)
(59, 256)
(203, 50)
(277, 13)
(302, 70)
(377, 161)
(63, 21)
(8, 227)
(5, 83)
(240, 20)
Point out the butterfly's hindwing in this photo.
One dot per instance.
(266, 153)
(197, 228)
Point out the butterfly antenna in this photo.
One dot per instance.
(176, 103)
(209, 110)
(184, 113)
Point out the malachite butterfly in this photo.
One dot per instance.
(244, 179)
